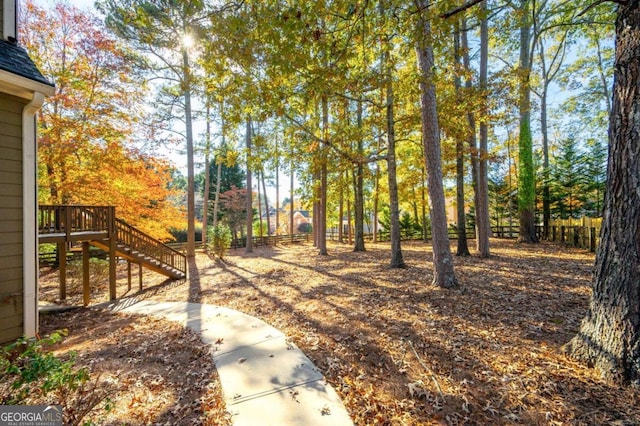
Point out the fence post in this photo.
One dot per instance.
(592, 239)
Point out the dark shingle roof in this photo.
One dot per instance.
(15, 60)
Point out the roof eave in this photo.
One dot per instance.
(23, 87)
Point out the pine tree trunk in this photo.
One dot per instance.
(526, 176)
(291, 190)
(207, 178)
(277, 218)
(266, 203)
(191, 204)
(376, 202)
(341, 211)
(249, 207)
(442, 259)
(483, 221)
(397, 260)
(358, 184)
(322, 219)
(216, 200)
(259, 204)
(609, 337)
(463, 246)
(546, 191)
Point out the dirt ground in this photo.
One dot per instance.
(397, 350)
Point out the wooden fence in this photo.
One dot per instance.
(271, 240)
(581, 233)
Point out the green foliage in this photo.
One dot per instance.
(305, 228)
(526, 175)
(180, 235)
(30, 374)
(27, 369)
(409, 228)
(578, 179)
(219, 239)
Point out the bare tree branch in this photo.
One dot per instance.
(460, 9)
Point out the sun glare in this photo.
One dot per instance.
(188, 41)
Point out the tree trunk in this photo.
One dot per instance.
(249, 236)
(609, 337)
(483, 221)
(277, 224)
(259, 204)
(207, 178)
(191, 206)
(526, 176)
(546, 191)
(266, 203)
(376, 202)
(463, 246)
(349, 235)
(442, 259)
(216, 200)
(397, 260)
(322, 219)
(358, 180)
(341, 210)
(423, 199)
(291, 190)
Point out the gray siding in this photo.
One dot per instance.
(1, 19)
(11, 238)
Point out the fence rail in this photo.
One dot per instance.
(581, 233)
(270, 240)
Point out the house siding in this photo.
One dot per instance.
(11, 205)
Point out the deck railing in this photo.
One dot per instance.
(71, 219)
(67, 219)
(138, 241)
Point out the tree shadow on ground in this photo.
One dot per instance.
(493, 352)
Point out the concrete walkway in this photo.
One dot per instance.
(266, 379)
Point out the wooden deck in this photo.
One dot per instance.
(99, 226)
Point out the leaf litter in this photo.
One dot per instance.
(400, 351)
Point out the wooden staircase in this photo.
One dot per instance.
(99, 226)
(138, 247)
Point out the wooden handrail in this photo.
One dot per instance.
(68, 219)
(138, 241)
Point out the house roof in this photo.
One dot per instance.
(14, 59)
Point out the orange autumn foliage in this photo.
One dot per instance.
(87, 131)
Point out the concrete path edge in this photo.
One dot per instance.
(266, 379)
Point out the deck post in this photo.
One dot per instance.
(67, 222)
(86, 293)
(128, 275)
(62, 257)
(112, 252)
(140, 275)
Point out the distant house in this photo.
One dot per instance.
(302, 221)
(367, 225)
(22, 92)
